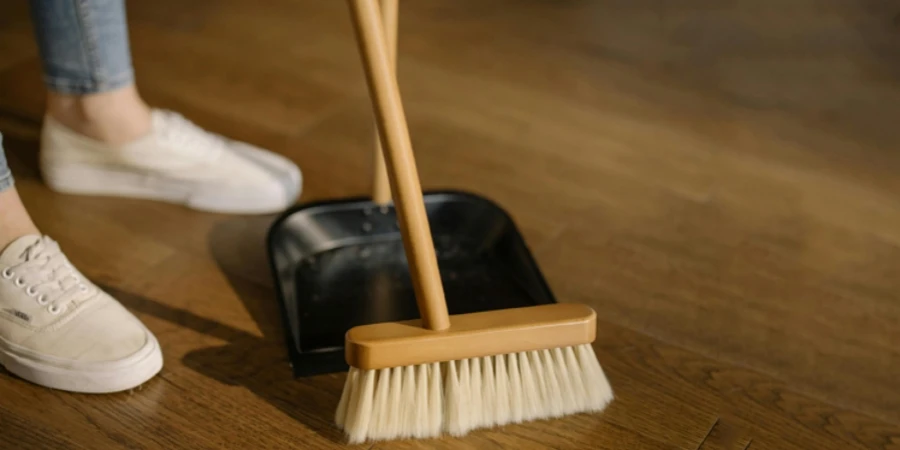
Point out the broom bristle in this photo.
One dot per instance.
(408, 397)
(460, 396)
(515, 388)
(488, 384)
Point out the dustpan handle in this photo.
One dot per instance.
(381, 188)
(401, 165)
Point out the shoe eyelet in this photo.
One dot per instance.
(54, 309)
(7, 273)
(30, 291)
(20, 282)
(42, 299)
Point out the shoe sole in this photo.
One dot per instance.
(127, 374)
(78, 179)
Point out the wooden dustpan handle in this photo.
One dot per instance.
(381, 188)
(401, 165)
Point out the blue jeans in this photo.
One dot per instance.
(84, 49)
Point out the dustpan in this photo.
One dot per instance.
(341, 263)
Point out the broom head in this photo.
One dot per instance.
(488, 369)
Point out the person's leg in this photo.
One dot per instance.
(87, 68)
(14, 220)
(57, 328)
(101, 138)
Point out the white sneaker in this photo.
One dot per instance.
(59, 330)
(176, 162)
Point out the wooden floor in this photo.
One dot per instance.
(719, 179)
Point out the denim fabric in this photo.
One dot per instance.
(6, 178)
(83, 44)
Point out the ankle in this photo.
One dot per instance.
(114, 117)
(14, 219)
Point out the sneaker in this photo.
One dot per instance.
(59, 330)
(177, 162)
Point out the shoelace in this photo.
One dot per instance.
(47, 275)
(180, 132)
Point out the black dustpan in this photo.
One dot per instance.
(339, 264)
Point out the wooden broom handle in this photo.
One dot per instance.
(381, 188)
(401, 165)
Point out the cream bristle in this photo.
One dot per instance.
(598, 388)
(353, 398)
(575, 378)
(515, 388)
(358, 418)
(381, 407)
(564, 378)
(550, 371)
(501, 391)
(476, 410)
(393, 425)
(452, 420)
(421, 406)
(557, 405)
(465, 396)
(408, 399)
(489, 399)
(435, 400)
(537, 367)
(340, 416)
(531, 393)
(459, 396)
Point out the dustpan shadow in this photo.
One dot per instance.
(258, 363)
(249, 361)
(261, 364)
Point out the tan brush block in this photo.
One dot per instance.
(397, 344)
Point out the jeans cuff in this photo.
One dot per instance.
(6, 180)
(80, 87)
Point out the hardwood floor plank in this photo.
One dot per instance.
(767, 408)
(725, 436)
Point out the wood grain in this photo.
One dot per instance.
(716, 179)
(725, 436)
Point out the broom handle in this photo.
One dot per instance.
(381, 188)
(401, 165)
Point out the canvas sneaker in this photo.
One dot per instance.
(59, 330)
(176, 162)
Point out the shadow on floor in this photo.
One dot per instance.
(260, 364)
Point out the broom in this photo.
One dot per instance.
(442, 374)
